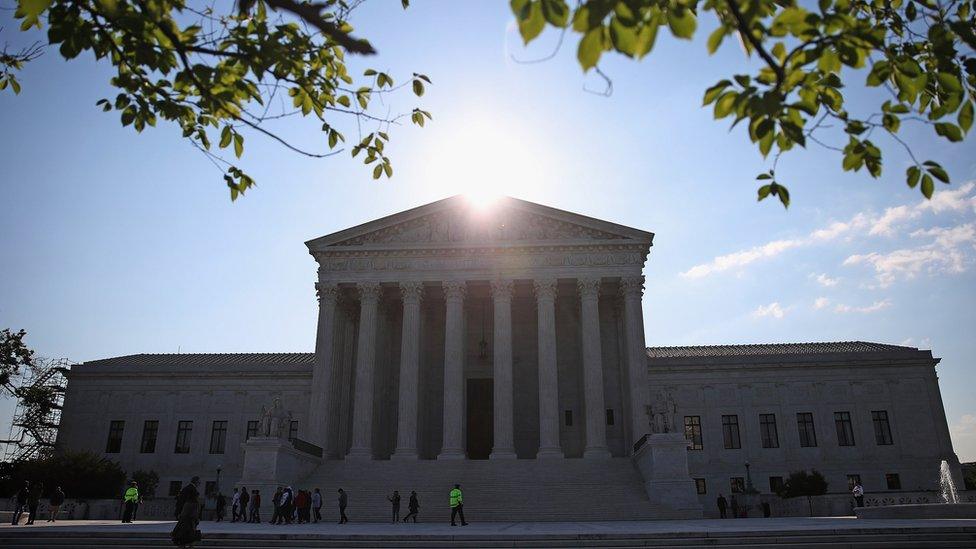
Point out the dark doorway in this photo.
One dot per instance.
(480, 425)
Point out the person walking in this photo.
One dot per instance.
(722, 505)
(190, 492)
(413, 505)
(242, 508)
(457, 505)
(285, 507)
(20, 504)
(735, 507)
(129, 500)
(33, 500)
(55, 503)
(254, 511)
(185, 533)
(235, 505)
(858, 492)
(276, 504)
(395, 500)
(300, 501)
(317, 505)
(343, 501)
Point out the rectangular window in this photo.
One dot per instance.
(775, 484)
(568, 418)
(183, 430)
(693, 431)
(293, 430)
(210, 488)
(252, 429)
(700, 485)
(114, 444)
(808, 435)
(882, 429)
(845, 431)
(149, 430)
(853, 480)
(893, 480)
(218, 437)
(767, 426)
(174, 488)
(609, 416)
(730, 432)
(737, 485)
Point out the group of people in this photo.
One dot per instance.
(245, 507)
(296, 506)
(28, 498)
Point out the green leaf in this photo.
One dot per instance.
(966, 116)
(645, 39)
(556, 12)
(225, 137)
(949, 131)
(623, 38)
(724, 104)
(682, 22)
(377, 171)
(30, 11)
(928, 186)
(590, 48)
(238, 144)
(912, 176)
(418, 87)
(530, 19)
(715, 39)
(714, 91)
(938, 173)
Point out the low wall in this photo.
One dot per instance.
(833, 505)
(919, 511)
(102, 509)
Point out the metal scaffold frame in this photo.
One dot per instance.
(33, 431)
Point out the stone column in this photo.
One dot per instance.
(596, 428)
(406, 448)
(325, 370)
(453, 444)
(504, 413)
(362, 414)
(632, 288)
(545, 296)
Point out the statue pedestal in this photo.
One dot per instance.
(270, 462)
(663, 462)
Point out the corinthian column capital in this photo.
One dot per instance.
(545, 288)
(588, 287)
(327, 292)
(454, 289)
(632, 285)
(502, 289)
(412, 291)
(368, 291)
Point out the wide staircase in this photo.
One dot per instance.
(511, 490)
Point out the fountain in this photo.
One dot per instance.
(950, 508)
(949, 494)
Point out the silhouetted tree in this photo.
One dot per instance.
(802, 483)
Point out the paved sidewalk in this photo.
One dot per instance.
(517, 529)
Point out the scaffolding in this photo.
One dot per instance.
(34, 429)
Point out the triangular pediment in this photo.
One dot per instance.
(456, 221)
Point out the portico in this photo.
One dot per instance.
(452, 332)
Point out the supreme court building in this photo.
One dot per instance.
(507, 345)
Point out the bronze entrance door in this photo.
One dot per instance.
(480, 405)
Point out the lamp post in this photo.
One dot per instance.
(749, 488)
(217, 487)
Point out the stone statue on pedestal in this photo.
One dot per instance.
(275, 421)
(662, 413)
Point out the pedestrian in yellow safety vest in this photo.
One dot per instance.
(457, 505)
(130, 499)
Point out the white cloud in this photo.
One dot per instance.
(955, 200)
(949, 251)
(825, 280)
(774, 310)
(820, 303)
(874, 307)
(963, 434)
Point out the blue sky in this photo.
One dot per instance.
(118, 243)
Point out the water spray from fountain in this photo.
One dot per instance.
(949, 494)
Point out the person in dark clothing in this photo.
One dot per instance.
(21, 503)
(255, 506)
(185, 533)
(767, 512)
(33, 500)
(343, 501)
(722, 505)
(395, 500)
(57, 500)
(735, 507)
(188, 493)
(221, 505)
(276, 504)
(286, 506)
(242, 509)
(413, 506)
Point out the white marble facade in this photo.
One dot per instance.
(516, 332)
